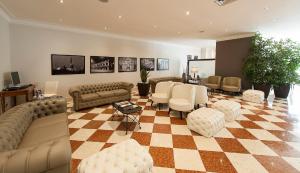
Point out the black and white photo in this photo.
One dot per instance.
(127, 64)
(162, 64)
(67, 64)
(147, 64)
(102, 64)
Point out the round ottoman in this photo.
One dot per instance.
(125, 157)
(206, 121)
(255, 96)
(230, 109)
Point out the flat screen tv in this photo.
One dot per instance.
(67, 64)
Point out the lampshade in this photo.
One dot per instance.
(194, 69)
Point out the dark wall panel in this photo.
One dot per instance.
(230, 56)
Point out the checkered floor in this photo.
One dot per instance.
(265, 138)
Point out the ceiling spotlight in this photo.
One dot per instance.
(61, 1)
(105, 28)
(105, 1)
(178, 32)
(187, 13)
(154, 26)
(220, 2)
(120, 17)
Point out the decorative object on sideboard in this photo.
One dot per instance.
(184, 78)
(189, 57)
(67, 64)
(127, 64)
(195, 57)
(102, 64)
(162, 64)
(144, 86)
(147, 64)
(195, 70)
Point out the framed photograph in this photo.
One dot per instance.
(127, 64)
(67, 64)
(102, 64)
(162, 64)
(147, 63)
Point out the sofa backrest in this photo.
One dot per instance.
(13, 125)
(93, 88)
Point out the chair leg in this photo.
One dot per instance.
(159, 104)
(180, 114)
(170, 110)
(151, 103)
(206, 104)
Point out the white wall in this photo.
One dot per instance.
(5, 65)
(32, 46)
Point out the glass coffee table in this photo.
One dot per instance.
(129, 110)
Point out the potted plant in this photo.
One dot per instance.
(143, 86)
(285, 64)
(257, 66)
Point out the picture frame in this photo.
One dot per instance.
(127, 64)
(67, 64)
(147, 64)
(162, 64)
(102, 64)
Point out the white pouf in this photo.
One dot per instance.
(255, 96)
(125, 157)
(206, 121)
(231, 109)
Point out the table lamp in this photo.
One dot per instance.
(194, 70)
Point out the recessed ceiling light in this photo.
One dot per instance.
(266, 8)
(120, 17)
(61, 1)
(154, 26)
(210, 22)
(105, 28)
(187, 13)
(178, 32)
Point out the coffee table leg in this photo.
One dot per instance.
(126, 123)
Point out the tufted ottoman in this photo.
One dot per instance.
(230, 109)
(255, 96)
(125, 157)
(206, 121)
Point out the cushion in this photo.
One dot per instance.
(231, 109)
(45, 129)
(213, 86)
(206, 121)
(120, 92)
(105, 94)
(89, 97)
(125, 157)
(180, 104)
(160, 98)
(231, 88)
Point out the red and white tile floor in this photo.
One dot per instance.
(265, 138)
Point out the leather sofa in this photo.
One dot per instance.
(154, 81)
(34, 137)
(86, 96)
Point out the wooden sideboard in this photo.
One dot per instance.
(28, 92)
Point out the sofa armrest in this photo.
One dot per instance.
(41, 158)
(127, 86)
(48, 107)
(74, 92)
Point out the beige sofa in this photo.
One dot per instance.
(86, 96)
(154, 81)
(34, 138)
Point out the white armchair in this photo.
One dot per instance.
(183, 98)
(162, 93)
(50, 88)
(201, 96)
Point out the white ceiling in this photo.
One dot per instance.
(165, 20)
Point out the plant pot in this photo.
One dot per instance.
(143, 88)
(263, 87)
(282, 91)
